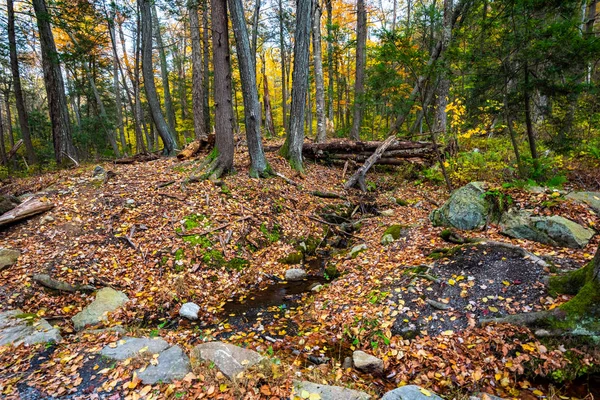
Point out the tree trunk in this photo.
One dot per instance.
(361, 59)
(319, 81)
(157, 116)
(330, 75)
(206, 63)
(292, 148)
(444, 85)
(200, 130)
(3, 158)
(247, 61)
(139, 139)
(117, 85)
(284, 95)
(255, 19)
(269, 127)
(55, 88)
(20, 101)
(222, 155)
(181, 81)
(164, 73)
(528, 123)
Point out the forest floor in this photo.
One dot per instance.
(131, 233)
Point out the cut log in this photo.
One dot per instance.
(28, 208)
(359, 176)
(196, 147)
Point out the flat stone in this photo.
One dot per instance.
(230, 359)
(8, 257)
(129, 347)
(295, 274)
(592, 199)
(189, 311)
(14, 330)
(356, 250)
(173, 364)
(327, 392)
(107, 300)
(411, 392)
(366, 362)
(387, 239)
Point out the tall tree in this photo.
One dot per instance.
(3, 159)
(163, 129)
(200, 129)
(247, 61)
(269, 127)
(206, 62)
(444, 85)
(361, 59)
(116, 82)
(330, 73)
(55, 87)
(20, 101)
(282, 52)
(292, 148)
(319, 81)
(164, 71)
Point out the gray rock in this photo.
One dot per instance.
(230, 359)
(410, 392)
(386, 213)
(366, 362)
(189, 311)
(295, 274)
(8, 257)
(46, 219)
(173, 364)
(554, 230)
(356, 250)
(15, 330)
(107, 300)
(129, 347)
(465, 209)
(7, 203)
(98, 170)
(387, 239)
(347, 363)
(316, 288)
(592, 199)
(327, 392)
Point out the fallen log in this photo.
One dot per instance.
(142, 157)
(26, 209)
(359, 176)
(49, 282)
(196, 146)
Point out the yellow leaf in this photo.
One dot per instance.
(314, 396)
(451, 282)
(506, 283)
(426, 392)
(223, 387)
(538, 392)
(305, 394)
(145, 390)
(493, 309)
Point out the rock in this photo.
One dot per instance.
(386, 213)
(554, 230)
(295, 274)
(366, 362)
(7, 203)
(326, 392)
(46, 219)
(293, 258)
(189, 311)
(17, 328)
(592, 199)
(356, 250)
(107, 300)
(230, 359)
(387, 239)
(347, 363)
(130, 203)
(173, 364)
(8, 257)
(466, 208)
(316, 288)
(129, 347)
(410, 392)
(98, 170)
(396, 231)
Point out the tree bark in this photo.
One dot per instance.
(157, 116)
(116, 84)
(255, 19)
(164, 74)
(206, 63)
(444, 85)
(222, 156)
(55, 88)
(20, 101)
(3, 158)
(292, 148)
(330, 74)
(282, 51)
(247, 62)
(319, 81)
(361, 59)
(269, 127)
(200, 130)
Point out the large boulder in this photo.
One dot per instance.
(326, 392)
(129, 347)
(230, 359)
(107, 300)
(17, 328)
(295, 274)
(592, 199)
(554, 230)
(173, 365)
(466, 208)
(410, 392)
(8, 257)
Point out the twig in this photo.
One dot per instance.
(172, 196)
(165, 184)
(225, 225)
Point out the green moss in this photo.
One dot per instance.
(238, 264)
(225, 189)
(274, 234)
(331, 272)
(586, 300)
(569, 283)
(445, 234)
(402, 203)
(395, 231)
(310, 245)
(179, 254)
(293, 258)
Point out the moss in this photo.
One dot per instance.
(293, 258)
(585, 301)
(402, 203)
(331, 272)
(238, 264)
(395, 231)
(569, 283)
(274, 234)
(445, 234)
(310, 245)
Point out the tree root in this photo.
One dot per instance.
(49, 282)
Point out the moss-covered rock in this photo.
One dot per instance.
(466, 208)
(331, 271)
(292, 258)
